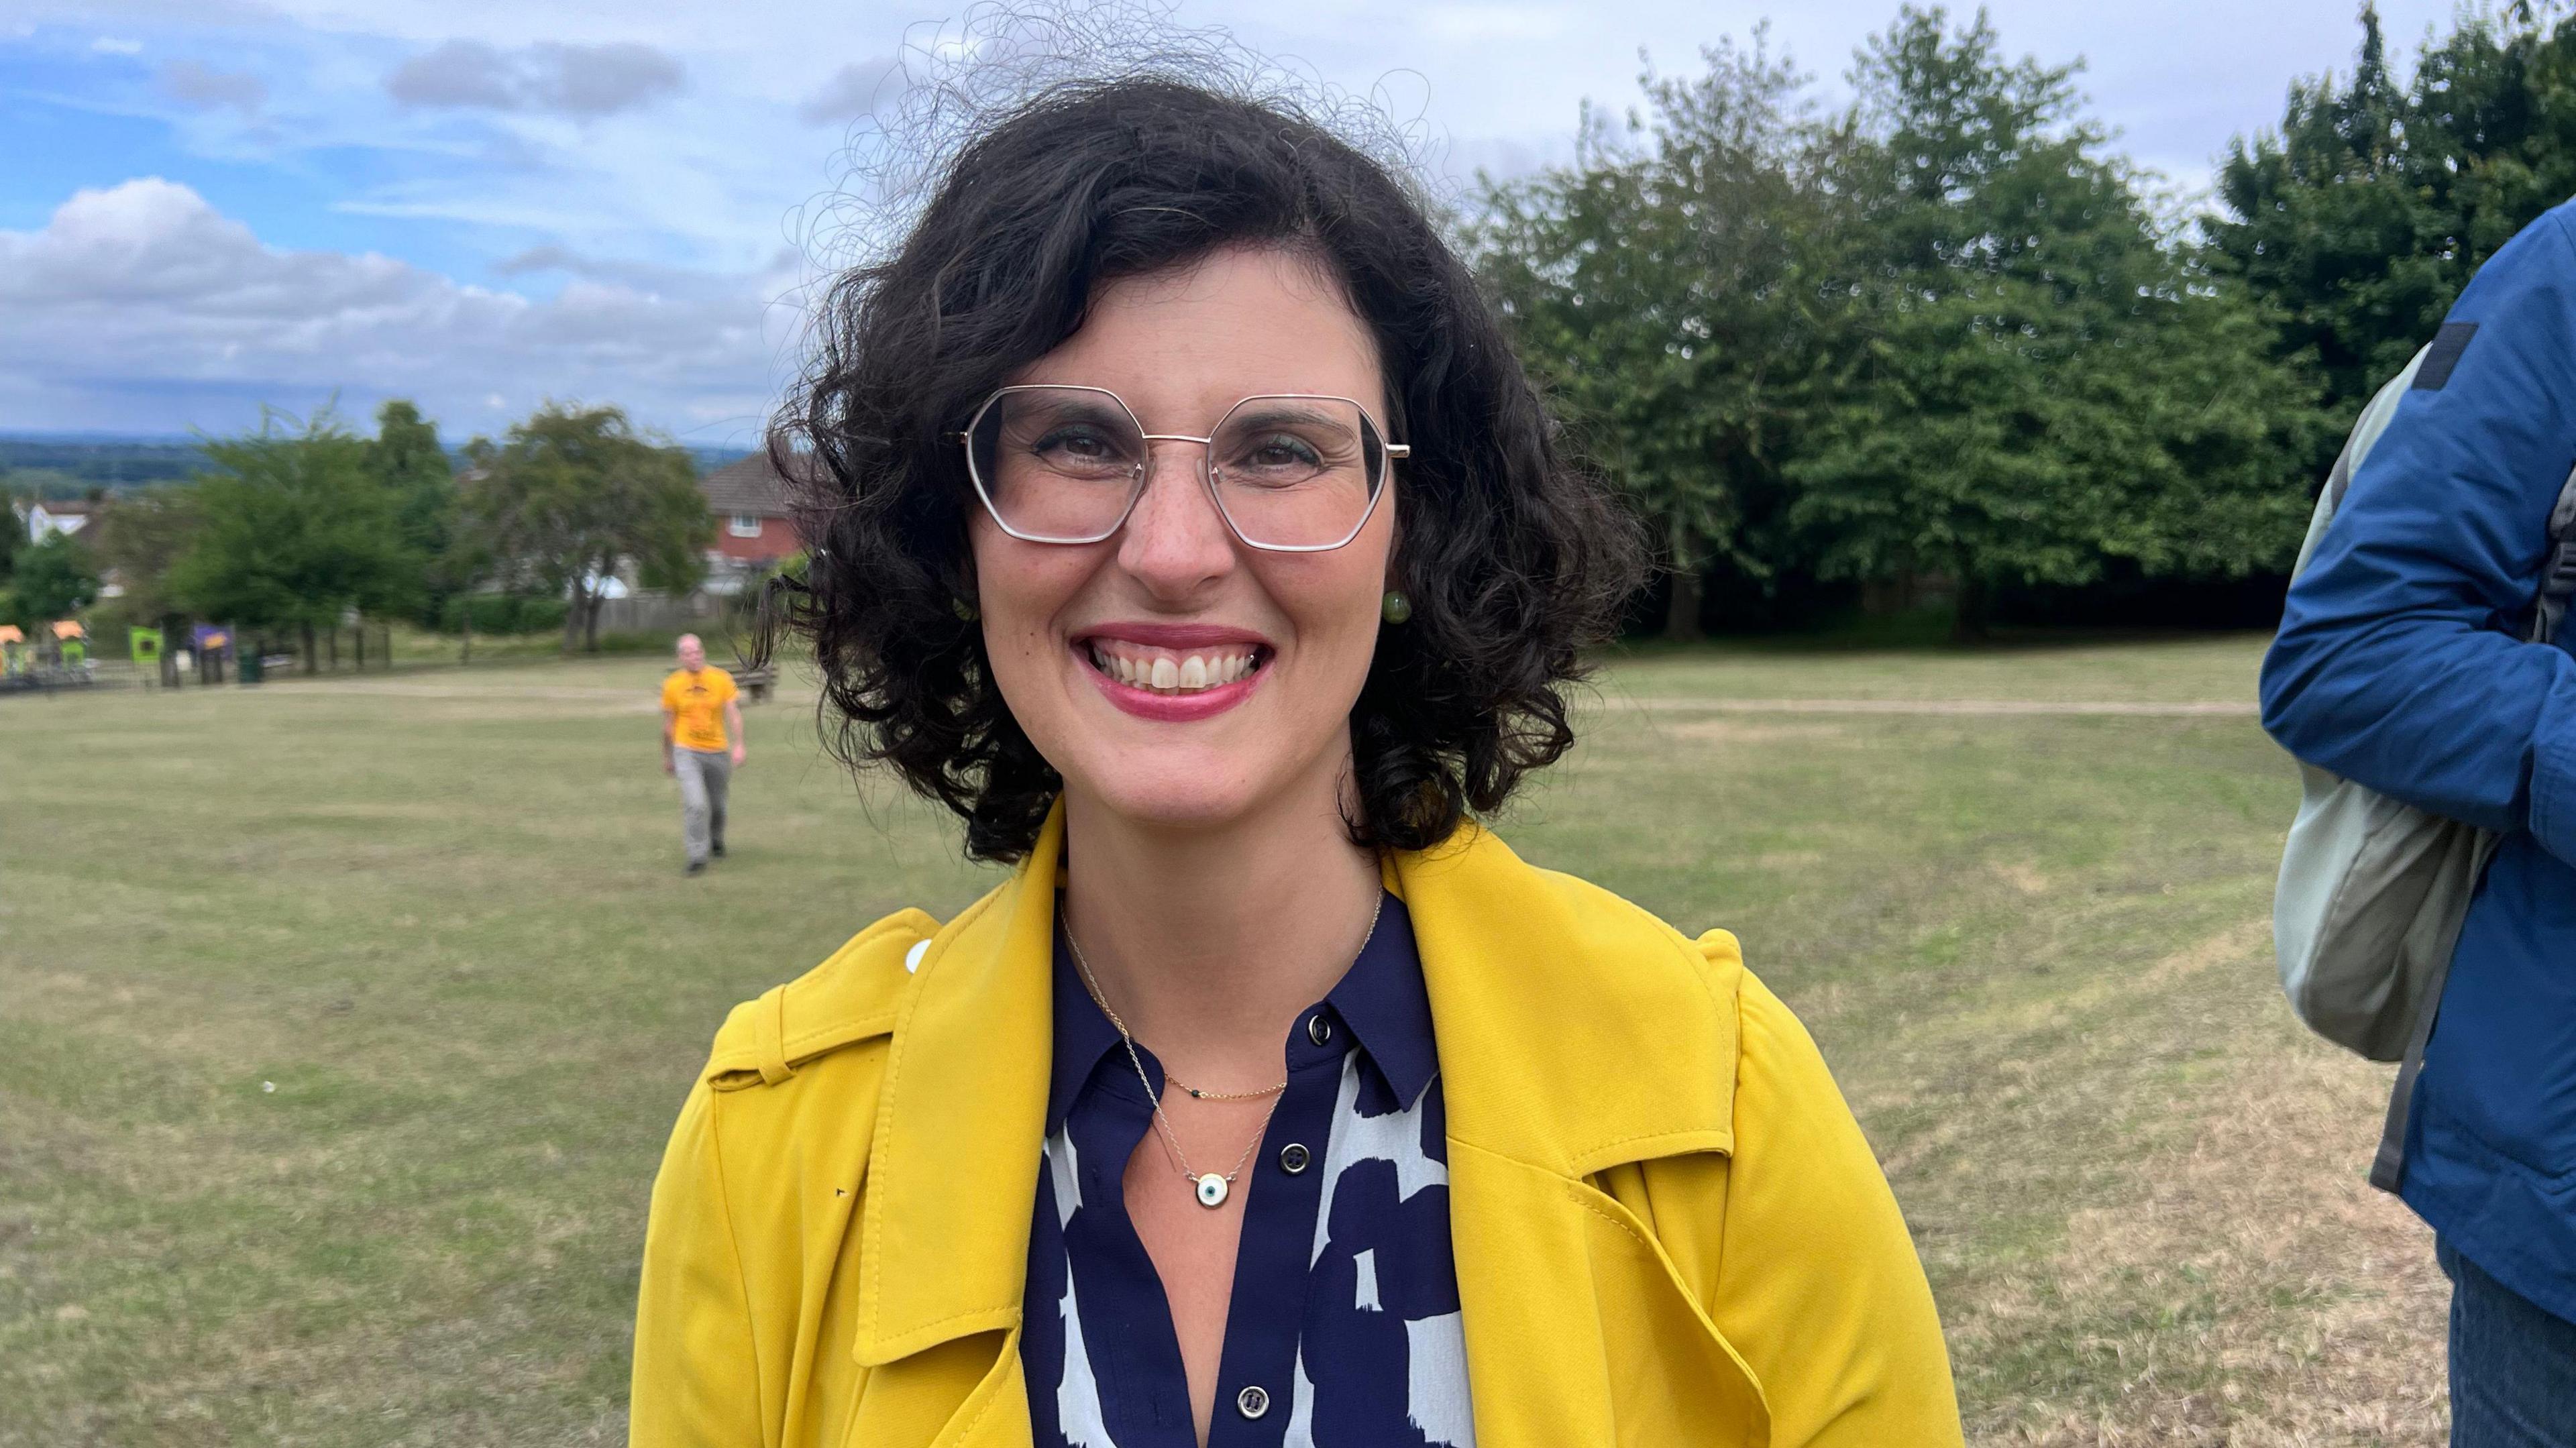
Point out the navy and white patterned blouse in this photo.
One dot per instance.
(1343, 1330)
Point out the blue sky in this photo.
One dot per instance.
(210, 206)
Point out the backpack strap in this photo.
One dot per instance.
(2380, 411)
(2549, 611)
(2558, 574)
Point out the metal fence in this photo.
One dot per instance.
(654, 612)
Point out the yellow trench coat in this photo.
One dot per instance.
(1668, 1228)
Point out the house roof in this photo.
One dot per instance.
(746, 485)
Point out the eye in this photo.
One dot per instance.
(1080, 444)
(1281, 451)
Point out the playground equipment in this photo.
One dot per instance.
(213, 646)
(58, 657)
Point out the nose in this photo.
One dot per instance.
(1175, 542)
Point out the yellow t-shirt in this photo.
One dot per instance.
(696, 703)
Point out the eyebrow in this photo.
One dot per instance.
(1073, 409)
(1289, 410)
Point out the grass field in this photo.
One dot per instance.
(341, 1024)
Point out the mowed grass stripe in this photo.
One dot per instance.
(1936, 708)
(442, 917)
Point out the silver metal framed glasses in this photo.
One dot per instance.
(1289, 472)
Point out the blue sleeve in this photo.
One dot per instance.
(2401, 661)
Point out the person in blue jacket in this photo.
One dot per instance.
(2401, 664)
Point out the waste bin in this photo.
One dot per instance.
(249, 666)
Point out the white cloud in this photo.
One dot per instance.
(142, 295)
(855, 90)
(573, 80)
(206, 88)
(116, 45)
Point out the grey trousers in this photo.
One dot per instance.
(703, 776)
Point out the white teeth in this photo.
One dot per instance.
(1168, 675)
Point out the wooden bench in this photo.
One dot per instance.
(757, 682)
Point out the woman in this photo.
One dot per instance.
(1185, 525)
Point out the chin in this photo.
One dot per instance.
(1174, 799)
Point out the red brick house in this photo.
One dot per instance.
(753, 529)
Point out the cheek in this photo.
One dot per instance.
(1011, 587)
(1020, 591)
(1337, 615)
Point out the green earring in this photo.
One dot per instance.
(1395, 607)
(965, 611)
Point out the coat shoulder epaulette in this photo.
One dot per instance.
(1715, 956)
(851, 997)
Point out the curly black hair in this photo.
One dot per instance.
(1514, 558)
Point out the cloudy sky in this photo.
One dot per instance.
(211, 205)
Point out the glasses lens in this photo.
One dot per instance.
(1058, 463)
(1296, 472)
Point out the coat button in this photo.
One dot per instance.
(1292, 1158)
(1252, 1402)
(1318, 1030)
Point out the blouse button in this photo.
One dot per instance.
(1292, 1158)
(1252, 1402)
(1318, 1030)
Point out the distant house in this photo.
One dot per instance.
(753, 525)
(46, 519)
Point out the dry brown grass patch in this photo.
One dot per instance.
(2257, 1293)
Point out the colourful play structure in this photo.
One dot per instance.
(58, 655)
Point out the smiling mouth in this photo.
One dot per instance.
(1175, 672)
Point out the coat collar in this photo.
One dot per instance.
(1536, 980)
(1541, 984)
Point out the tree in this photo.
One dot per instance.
(2034, 380)
(1665, 288)
(2363, 216)
(573, 495)
(53, 578)
(406, 460)
(1942, 334)
(13, 531)
(293, 531)
(141, 537)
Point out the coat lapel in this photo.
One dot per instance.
(953, 1178)
(1576, 1033)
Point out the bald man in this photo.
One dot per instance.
(701, 746)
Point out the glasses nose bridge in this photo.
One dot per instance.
(1206, 461)
(1202, 473)
(1207, 445)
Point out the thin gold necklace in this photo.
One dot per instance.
(1102, 1001)
(1209, 1188)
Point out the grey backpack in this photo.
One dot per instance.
(2373, 891)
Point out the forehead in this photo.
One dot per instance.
(1184, 344)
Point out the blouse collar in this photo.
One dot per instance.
(1381, 999)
